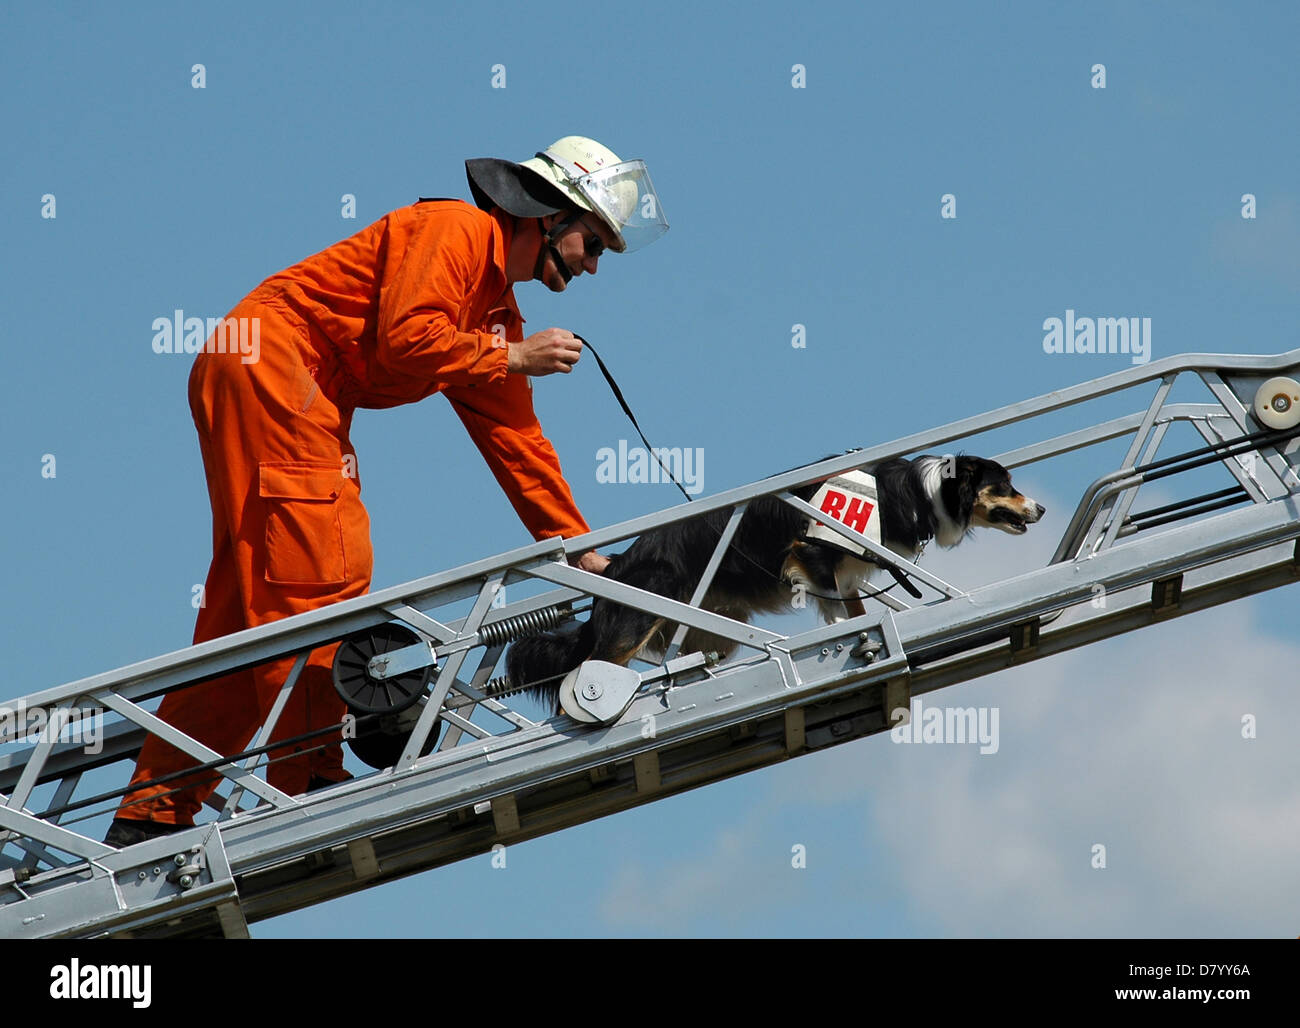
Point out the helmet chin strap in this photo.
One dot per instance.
(548, 245)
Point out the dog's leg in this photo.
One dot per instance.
(620, 632)
(846, 584)
(622, 653)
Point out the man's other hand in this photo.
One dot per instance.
(590, 561)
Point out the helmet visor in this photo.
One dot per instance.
(624, 195)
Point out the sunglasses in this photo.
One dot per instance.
(595, 246)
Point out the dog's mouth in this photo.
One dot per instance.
(1009, 520)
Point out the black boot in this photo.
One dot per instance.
(317, 782)
(126, 832)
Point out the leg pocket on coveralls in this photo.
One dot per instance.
(304, 533)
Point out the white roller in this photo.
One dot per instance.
(1277, 403)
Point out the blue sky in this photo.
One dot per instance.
(815, 206)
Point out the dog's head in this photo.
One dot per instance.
(987, 499)
(973, 492)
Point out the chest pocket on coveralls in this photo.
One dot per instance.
(304, 534)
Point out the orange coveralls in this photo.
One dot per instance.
(415, 304)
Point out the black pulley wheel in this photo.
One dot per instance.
(367, 694)
(379, 743)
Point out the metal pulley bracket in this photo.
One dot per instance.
(399, 662)
(598, 692)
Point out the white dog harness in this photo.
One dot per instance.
(851, 500)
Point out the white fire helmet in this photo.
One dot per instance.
(595, 179)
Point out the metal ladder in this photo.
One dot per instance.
(499, 776)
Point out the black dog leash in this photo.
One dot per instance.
(618, 395)
(899, 577)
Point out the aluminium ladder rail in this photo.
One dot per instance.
(497, 776)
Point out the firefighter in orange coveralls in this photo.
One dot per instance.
(418, 303)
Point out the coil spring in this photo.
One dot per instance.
(499, 686)
(510, 629)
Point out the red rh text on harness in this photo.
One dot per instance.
(857, 515)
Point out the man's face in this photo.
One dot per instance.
(580, 246)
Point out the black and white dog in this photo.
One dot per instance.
(770, 560)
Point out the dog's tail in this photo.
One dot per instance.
(538, 663)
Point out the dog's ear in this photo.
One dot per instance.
(968, 482)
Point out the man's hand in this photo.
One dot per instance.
(590, 561)
(545, 352)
